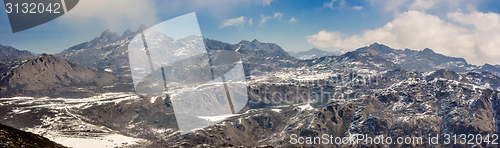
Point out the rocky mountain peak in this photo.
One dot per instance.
(428, 51)
(375, 44)
(142, 28)
(381, 48)
(243, 42)
(127, 33)
(48, 58)
(109, 36)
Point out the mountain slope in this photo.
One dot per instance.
(48, 73)
(108, 51)
(270, 48)
(413, 107)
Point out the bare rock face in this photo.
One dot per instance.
(51, 73)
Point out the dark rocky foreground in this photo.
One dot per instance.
(11, 137)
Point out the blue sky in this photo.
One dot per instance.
(462, 28)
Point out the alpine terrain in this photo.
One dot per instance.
(84, 97)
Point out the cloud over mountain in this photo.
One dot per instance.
(473, 36)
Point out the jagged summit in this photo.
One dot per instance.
(377, 48)
(127, 33)
(109, 36)
(142, 28)
(246, 42)
(428, 51)
(375, 44)
(256, 45)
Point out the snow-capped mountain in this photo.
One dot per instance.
(494, 69)
(424, 60)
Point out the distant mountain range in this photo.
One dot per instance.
(312, 54)
(108, 52)
(11, 54)
(8, 50)
(381, 57)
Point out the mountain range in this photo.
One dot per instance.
(375, 91)
(11, 54)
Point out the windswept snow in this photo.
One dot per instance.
(108, 141)
(217, 118)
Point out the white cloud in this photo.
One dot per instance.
(250, 21)
(439, 6)
(114, 14)
(266, 2)
(240, 21)
(217, 8)
(278, 14)
(331, 4)
(357, 7)
(474, 36)
(119, 15)
(263, 19)
(422, 4)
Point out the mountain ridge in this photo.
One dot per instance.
(11, 54)
(48, 73)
